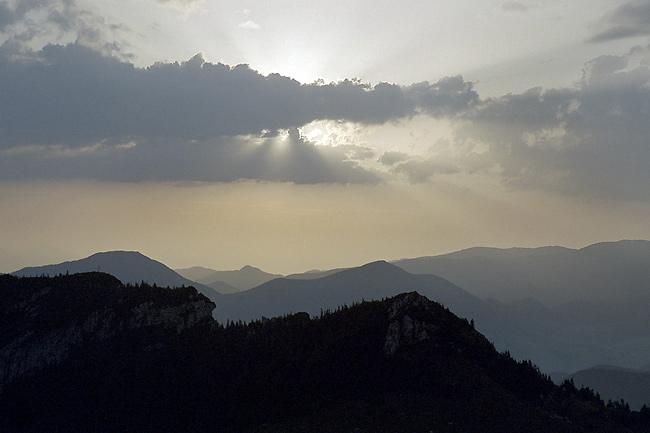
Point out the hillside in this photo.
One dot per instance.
(401, 364)
(127, 266)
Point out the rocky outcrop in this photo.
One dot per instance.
(413, 318)
(404, 327)
(49, 322)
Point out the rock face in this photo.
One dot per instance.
(44, 320)
(412, 318)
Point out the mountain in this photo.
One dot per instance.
(145, 359)
(592, 302)
(371, 281)
(223, 287)
(196, 273)
(45, 321)
(242, 279)
(127, 266)
(314, 274)
(615, 383)
(552, 275)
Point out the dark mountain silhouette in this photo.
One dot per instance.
(144, 359)
(127, 266)
(45, 321)
(615, 383)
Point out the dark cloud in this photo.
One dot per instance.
(448, 96)
(631, 19)
(7, 17)
(592, 139)
(72, 95)
(71, 111)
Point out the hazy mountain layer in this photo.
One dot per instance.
(553, 275)
(242, 279)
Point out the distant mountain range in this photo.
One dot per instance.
(228, 281)
(615, 383)
(84, 352)
(567, 310)
(553, 275)
(127, 266)
(369, 282)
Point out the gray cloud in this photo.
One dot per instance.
(27, 21)
(393, 157)
(514, 6)
(72, 95)
(419, 170)
(283, 158)
(71, 111)
(448, 96)
(592, 139)
(7, 16)
(631, 19)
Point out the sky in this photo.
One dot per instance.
(297, 135)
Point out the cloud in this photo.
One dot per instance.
(448, 96)
(419, 170)
(68, 104)
(631, 19)
(7, 17)
(251, 25)
(589, 140)
(393, 157)
(25, 23)
(287, 157)
(73, 95)
(514, 6)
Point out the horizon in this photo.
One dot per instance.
(322, 269)
(319, 135)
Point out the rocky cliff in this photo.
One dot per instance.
(45, 320)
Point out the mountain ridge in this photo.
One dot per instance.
(127, 266)
(404, 363)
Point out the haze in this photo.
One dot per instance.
(319, 134)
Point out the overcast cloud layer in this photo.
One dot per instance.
(82, 110)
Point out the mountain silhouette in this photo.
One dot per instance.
(615, 383)
(127, 266)
(375, 281)
(108, 357)
(552, 275)
(368, 282)
(235, 281)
